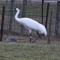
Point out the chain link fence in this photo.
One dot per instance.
(28, 9)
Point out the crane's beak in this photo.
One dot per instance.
(14, 9)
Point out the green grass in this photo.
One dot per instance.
(31, 10)
(35, 10)
(27, 51)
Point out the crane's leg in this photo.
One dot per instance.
(39, 36)
(30, 35)
(30, 38)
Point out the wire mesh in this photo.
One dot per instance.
(33, 10)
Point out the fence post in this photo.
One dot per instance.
(2, 23)
(57, 19)
(23, 15)
(49, 32)
(11, 14)
(47, 15)
(42, 11)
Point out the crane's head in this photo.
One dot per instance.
(16, 9)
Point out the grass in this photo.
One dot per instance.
(30, 9)
(27, 51)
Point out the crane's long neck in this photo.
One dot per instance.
(16, 16)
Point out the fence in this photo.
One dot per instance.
(31, 10)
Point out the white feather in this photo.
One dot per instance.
(31, 24)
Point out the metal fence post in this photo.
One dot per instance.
(11, 14)
(47, 15)
(42, 11)
(50, 27)
(23, 15)
(2, 23)
(57, 19)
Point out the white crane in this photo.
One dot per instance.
(31, 25)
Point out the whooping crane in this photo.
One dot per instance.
(31, 25)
